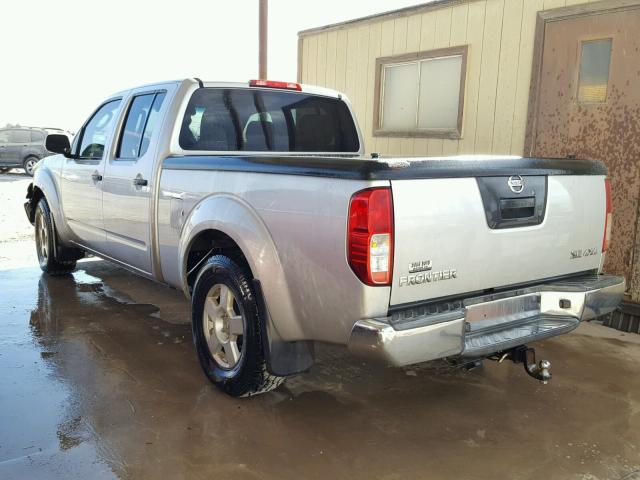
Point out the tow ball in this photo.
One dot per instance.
(527, 356)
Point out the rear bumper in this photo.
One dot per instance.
(480, 326)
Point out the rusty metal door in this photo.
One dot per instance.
(588, 106)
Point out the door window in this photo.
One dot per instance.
(595, 57)
(5, 136)
(151, 122)
(20, 136)
(96, 131)
(139, 125)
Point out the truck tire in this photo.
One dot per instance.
(227, 329)
(29, 163)
(60, 261)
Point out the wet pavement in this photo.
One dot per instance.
(99, 379)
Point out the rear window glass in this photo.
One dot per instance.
(257, 120)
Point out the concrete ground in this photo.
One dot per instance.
(99, 379)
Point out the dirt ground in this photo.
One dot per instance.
(99, 379)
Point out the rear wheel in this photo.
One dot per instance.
(227, 330)
(53, 259)
(29, 163)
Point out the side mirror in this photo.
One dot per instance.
(57, 143)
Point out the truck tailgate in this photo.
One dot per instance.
(460, 235)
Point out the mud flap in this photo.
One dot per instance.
(29, 207)
(283, 358)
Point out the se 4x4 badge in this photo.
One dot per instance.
(587, 252)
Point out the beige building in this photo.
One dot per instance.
(556, 78)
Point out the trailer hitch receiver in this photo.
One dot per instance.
(527, 356)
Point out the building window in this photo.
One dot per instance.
(595, 57)
(421, 94)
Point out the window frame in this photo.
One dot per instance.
(417, 57)
(125, 117)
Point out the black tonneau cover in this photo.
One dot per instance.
(387, 168)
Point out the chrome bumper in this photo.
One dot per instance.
(479, 326)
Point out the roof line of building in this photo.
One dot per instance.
(401, 12)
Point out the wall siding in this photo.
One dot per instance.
(500, 37)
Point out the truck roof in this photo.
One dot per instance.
(312, 89)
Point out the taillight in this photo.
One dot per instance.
(606, 238)
(370, 236)
(275, 84)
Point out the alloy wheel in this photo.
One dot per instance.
(223, 326)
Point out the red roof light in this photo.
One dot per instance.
(275, 84)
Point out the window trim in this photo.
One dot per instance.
(382, 62)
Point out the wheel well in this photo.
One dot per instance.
(207, 244)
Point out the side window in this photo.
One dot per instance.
(5, 136)
(421, 94)
(20, 136)
(37, 137)
(96, 131)
(151, 122)
(139, 125)
(134, 126)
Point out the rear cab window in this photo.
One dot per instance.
(260, 120)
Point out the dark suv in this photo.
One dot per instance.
(22, 147)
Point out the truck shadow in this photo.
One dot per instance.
(135, 392)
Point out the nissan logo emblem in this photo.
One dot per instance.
(516, 183)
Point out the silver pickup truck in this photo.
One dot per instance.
(256, 200)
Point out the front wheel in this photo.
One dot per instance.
(227, 330)
(54, 261)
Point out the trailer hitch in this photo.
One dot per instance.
(527, 356)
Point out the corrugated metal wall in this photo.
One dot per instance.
(500, 35)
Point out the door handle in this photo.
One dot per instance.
(140, 182)
(96, 177)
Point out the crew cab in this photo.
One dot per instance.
(258, 202)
